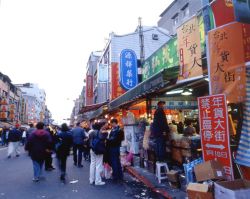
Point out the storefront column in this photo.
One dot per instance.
(149, 107)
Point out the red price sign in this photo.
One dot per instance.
(215, 131)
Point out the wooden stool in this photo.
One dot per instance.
(161, 175)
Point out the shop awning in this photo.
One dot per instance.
(91, 107)
(149, 86)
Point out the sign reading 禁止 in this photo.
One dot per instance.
(128, 69)
(189, 48)
(215, 131)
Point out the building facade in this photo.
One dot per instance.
(177, 13)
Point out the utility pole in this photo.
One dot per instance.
(141, 40)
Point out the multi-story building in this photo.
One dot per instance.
(153, 38)
(35, 98)
(177, 13)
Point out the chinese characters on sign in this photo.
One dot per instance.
(128, 69)
(215, 132)
(227, 62)
(89, 90)
(116, 89)
(189, 47)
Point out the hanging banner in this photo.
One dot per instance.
(242, 10)
(246, 41)
(102, 73)
(116, 89)
(128, 69)
(189, 48)
(223, 12)
(215, 138)
(89, 90)
(164, 57)
(227, 62)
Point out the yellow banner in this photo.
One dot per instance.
(189, 48)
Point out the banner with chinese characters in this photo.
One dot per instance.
(89, 90)
(128, 69)
(189, 48)
(102, 73)
(164, 57)
(223, 12)
(3, 109)
(215, 138)
(227, 62)
(116, 89)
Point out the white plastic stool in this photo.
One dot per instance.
(160, 175)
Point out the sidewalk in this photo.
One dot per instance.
(151, 182)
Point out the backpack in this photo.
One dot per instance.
(98, 145)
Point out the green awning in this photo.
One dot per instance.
(149, 86)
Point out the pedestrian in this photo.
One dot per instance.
(24, 134)
(4, 136)
(189, 130)
(160, 131)
(49, 159)
(97, 142)
(114, 143)
(86, 150)
(63, 146)
(38, 145)
(78, 142)
(14, 138)
(30, 130)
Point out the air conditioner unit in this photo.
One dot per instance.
(155, 37)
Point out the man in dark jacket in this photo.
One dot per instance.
(38, 146)
(114, 143)
(78, 141)
(14, 138)
(160, 129)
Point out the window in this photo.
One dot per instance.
(175, 19)
(185, 11)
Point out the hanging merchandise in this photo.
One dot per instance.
(243, 153)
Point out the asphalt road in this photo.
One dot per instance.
(16, 182)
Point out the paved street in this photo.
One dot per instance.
(16, 182)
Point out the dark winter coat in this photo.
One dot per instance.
(116, 136)
(15, 135)
(38, 145)
(64, 144)
(159, 124)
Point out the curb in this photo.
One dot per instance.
(148, 184)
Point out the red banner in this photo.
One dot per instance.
(89, 90)
(215, 136)
(223, 12)
(116, 89)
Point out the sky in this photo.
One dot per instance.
(48, 42)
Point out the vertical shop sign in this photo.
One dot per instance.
(89, 90)
(227, 62)
(223, 12)
(242, 10)
(128, 69)
(116, 89)
(215, 136)
(3, 109)
(102, 73)
(189, 47)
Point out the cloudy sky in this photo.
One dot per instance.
(48, 42)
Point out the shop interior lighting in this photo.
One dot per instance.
(207, 79)
(187, 92)
(174, 92)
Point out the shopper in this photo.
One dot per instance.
(63, 146)
(160, 131)
(38, 145)
(49, 160)
(14, 138)
(114, 143)
(189, 130)
(96, 156)
(78, 142)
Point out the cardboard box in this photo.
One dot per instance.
(173, 176)
(232, 189)
(209, 170)
(199, 191)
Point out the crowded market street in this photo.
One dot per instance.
(16, 182)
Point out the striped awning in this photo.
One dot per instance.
(243, 152)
